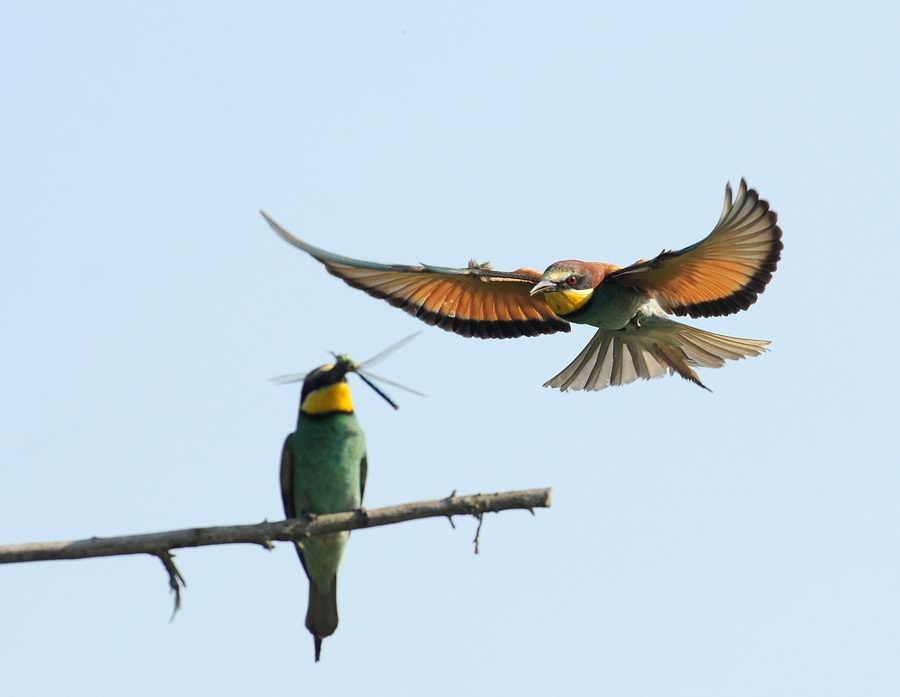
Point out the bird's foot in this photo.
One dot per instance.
(364, 514)
(308, 517)
(633, 323)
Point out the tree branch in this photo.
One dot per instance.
(159, 544)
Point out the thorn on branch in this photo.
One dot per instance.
(308, 518)
(477, 539)
(450, 517)
(176, 580)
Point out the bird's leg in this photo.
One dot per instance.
(364, 514)
(633, 323)
(308, 517)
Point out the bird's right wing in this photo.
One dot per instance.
(287, 481)
(471, 301)
(287, 493)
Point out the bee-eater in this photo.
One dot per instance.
(323, 470)
(720, 275)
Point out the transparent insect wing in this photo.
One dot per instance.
(381, 355)
(288, 379)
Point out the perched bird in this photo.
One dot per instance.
(323, 470)
(720, 275)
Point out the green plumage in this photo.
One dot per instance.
(610, 307)
(323, 470)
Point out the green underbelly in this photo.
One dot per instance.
(327, 455)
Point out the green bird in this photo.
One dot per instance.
(720, 275)
(323, 470)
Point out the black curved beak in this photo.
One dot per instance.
(542, 286)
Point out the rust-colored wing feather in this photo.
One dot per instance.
(723, 273)
(472, 301)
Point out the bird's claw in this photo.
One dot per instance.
(308, 517)
(364, 514)
(633, 323)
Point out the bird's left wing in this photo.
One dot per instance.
(471, 301)
(363, 475)
(723, 273)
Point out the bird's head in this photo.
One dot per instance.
(325, 389)
(567, 285)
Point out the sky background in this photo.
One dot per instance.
(744, 542)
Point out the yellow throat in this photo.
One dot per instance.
(326, 400)
(562, 302)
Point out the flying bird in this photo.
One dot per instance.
(323, 470)
(721, 274)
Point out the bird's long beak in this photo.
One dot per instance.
(542, 286)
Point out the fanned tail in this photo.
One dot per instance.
(650, 348)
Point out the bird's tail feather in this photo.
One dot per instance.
(321, 613)
(654, 347)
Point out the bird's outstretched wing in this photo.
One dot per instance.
(472, 301)
(723, 273)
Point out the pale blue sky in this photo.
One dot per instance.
(745, 542)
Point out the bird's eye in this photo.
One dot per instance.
(572, 280)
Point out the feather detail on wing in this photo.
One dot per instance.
(723, 273)
(287, 493)
(657, 347)
(472, 301)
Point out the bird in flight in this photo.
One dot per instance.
(721, 274)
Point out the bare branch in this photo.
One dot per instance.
(160, 544)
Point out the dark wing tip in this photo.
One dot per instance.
(749, 293)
